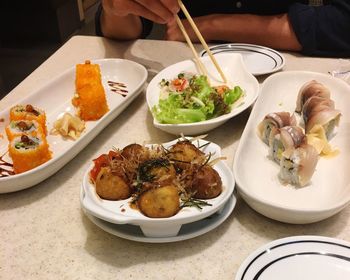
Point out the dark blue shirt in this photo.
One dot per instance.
(323, 29)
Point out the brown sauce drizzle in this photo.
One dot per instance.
(119, 88)
(5, 172)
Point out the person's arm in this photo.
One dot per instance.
(272, 31)
(123, 19)
(319, 31)
(323, 30)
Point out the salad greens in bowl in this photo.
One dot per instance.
(183, 101)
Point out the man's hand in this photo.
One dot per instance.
(159, 11)
(173, 32)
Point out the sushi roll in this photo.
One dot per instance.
(29, 113)
(328, 119)
(28, 152)
(284, 141)
(18, 128)
(297, 167)
(89, 98)
(316, 104)
(274, 120)
(312, 88)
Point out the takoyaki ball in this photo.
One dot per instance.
(160, 202)
(159, 171)
(184, 153)
(111, 186)
(206, 183)
(135, 152)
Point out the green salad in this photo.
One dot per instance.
(190, 98)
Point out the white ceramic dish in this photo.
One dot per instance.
(256, 174)
(236, 73)
(187, 231)
(298, 258)
(55, 99)
(259, 60)
(119, 212)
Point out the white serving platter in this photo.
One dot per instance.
(55, 99)
(120, 212)
(298, 258)
(256, 174)
(187, 231)
(235, 71)
(259, 60)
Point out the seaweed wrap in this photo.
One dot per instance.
(274, 120)
(89, 98)
(28, 152)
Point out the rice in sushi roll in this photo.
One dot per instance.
(298, 166)
(28, 152)
(20, 127)
(29, 113)
(285, 140)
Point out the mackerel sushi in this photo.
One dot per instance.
(297, 167)
(28, 152)
(274, 120)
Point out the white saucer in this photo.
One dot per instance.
(258, 59)
(298, 258)
(187, 231)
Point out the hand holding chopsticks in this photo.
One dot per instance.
(201, 39)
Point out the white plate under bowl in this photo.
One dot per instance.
(298, 258)
(236, 74)
(187, 231)
(256, 174)
(119, 212)
(55, 99)
(259, 60)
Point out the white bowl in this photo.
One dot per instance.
(235, 71)
(119, 212)
(256, 175)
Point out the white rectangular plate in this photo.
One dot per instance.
(257, 175)
(55, 99)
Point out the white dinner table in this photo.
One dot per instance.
(44, 234)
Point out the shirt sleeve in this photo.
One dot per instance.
(146, 24)
(322, 30)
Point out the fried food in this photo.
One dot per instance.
(206, 183)
(160, 202)
(159, 171)
(184, 153)
(111, 186)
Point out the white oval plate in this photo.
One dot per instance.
(55, 99)
(236, 73)
(298, 258)
(256, 174)
(259, 60)
(187, 231)
(119, 212)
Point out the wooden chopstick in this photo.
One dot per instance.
(201, 39)
(189, 43)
